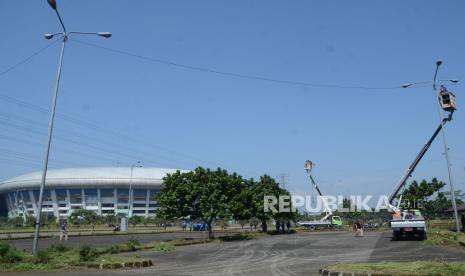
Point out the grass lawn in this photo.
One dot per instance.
(403, 268)
(56, 257)
(446, 237)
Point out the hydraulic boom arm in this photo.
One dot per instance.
(415, 162)
(329, 213)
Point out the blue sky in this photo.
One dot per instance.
(119, 108)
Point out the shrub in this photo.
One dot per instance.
(114, 249)
(4, 248)
(134, 241)
(165, 247)
(60, 248)
(13, 257)
(43, 257)
(133, 244)
(9, 254)
(86, 253)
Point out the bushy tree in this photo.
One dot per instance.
(83, 216)
(135, 220)
(217, 195)
(16, 222)
(434, 201)
(110, 219)
(200, 194)
(267, 186)
(242, 207)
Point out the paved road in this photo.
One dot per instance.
(295, 254)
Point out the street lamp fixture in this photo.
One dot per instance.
(105, 34)
(131, 196)
(53, 5)
(130, 199)
(410, 84)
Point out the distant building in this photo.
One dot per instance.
(104, 190)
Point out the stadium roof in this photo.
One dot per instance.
(89, 177)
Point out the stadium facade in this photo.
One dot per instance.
(105, 190)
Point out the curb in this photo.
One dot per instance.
(140, 264)
(326, 272)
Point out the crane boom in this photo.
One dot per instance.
(417, 160)
(328, 210)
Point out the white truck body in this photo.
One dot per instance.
(315, 223)
(408, 223)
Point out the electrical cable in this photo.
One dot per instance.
(123, 137)
(28, 58)
(231, 74)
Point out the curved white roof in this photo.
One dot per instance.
(89, 177)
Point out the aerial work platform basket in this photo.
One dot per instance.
(447, 100)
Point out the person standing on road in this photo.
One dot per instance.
(358, 228)
(64, 231)
(184, 226)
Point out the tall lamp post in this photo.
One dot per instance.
(444, 136)
(131, 194)
(64, 35)
(130, 199)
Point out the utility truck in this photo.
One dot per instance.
(410, 222)
(329, 220)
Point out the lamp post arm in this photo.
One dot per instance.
(61, 21)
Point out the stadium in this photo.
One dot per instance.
(105, 190)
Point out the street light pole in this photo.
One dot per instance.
(47, 148)
(446, 152)
(65, 34)
(130, 187)
(444, 136)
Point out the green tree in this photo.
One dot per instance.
(135, 220)
(242, 207)
(110, 219)
(16, 222)
(199, 194)
(267, 186)
(31, 221)
(434, 202)
(83, 216)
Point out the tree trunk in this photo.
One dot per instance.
(264, 226)
(210, 230)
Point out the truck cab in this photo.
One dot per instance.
(336, 221)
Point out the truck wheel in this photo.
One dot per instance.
(395, 237)
(423, 236)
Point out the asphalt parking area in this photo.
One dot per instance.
(293, 254)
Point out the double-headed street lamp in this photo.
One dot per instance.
(64, 35)
(444, 136)
(131, 196)
(131, 193)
